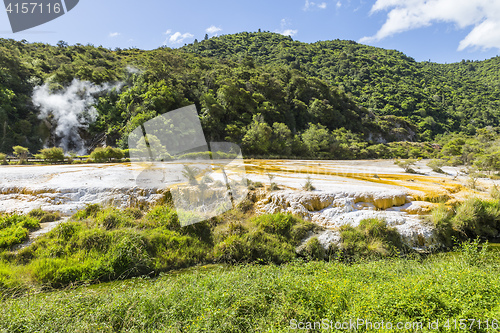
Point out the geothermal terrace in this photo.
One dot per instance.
(346, 191)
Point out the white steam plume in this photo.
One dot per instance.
(71, 108)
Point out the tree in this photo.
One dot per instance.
(257, 139)
(21, 153)
(282, 139)
(206, 36)
(106, 154)
(53, 154)
(3, 159)
(317, 139)
(62, 44)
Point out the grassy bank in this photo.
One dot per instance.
(110, 270)
(250, 298)
(105, 244)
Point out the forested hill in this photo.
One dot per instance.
(435, 97)
(272, 95)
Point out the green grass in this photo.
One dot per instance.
(272, 283)
(472, 218)
(14, 229)
(104, 244)
(371, 238)
(249, 298)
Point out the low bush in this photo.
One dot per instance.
(107, 154)
(371, 238)
(436, 165)
(88, 212)
(255, 246)
(286, 226)
(441, 218)
(312, 249)
(44, 216)
(112, 218)
(14, 229)
(308, 186)
(407, 165)
(477, 218)
(53, 154)
(3, 159)
(161, 216)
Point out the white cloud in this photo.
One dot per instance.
(114, 34)
(177, 37)
(339, 4)
(284, 31)
(289, 32)
(404, 15)
(212, 30)
(310, 5)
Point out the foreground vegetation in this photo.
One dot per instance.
(242, 272)
(104, 244)
(247, 298)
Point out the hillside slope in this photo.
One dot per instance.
(272, 95)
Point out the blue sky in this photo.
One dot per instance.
(438, 30)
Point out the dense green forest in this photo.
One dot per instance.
(274, 96)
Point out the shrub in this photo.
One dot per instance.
(95, 238)
(254, 246)
(171, 250)
(3, 159)
(89, 211)
(15, 219)
(21, 153)
(112, 218)
(128, 255)
(308, 186)
(286, 226)
(44, 216)
(190, 173)
(312, 249)
(135, 213)
(107, 154)
(228, 229)
(472, 252)
(475, 217)
(53, 154)
(495, 193)
(14, 229)
(205, 155)
(407, 165)
(161, 216)
(372, 237)
(65, 231)
(441, 218)
(436, 165)
(13, 235)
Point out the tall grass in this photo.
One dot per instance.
(256, 298)
(14, 229)
(371, 238)
(103, 244)
(473, 218)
